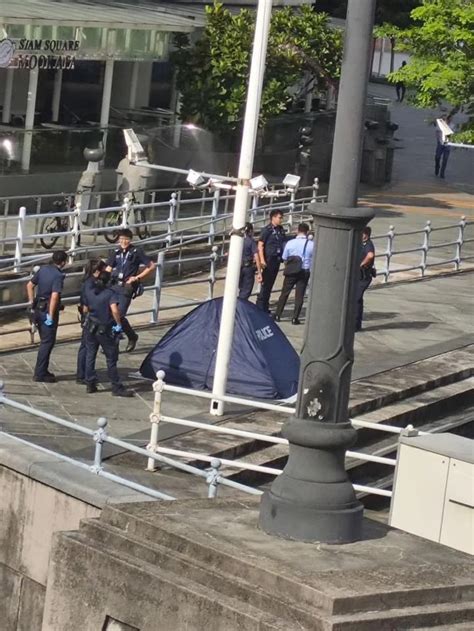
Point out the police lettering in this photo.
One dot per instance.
(265, 333)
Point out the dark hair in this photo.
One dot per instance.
(125, 232)
(275, 212)
(248, 227)
(303, 227)
(92, 266)
(367, 230)
(102, 281)
(59, 257)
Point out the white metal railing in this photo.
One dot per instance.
(157, 417)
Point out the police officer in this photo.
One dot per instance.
(271, 243)
(367, 272)
(102, 325)
(92, 266)
(250, 263)
(124, 264)
(44, 308)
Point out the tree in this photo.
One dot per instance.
(441, 66)
(212, 73)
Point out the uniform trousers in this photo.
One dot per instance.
(441, 158)
(300, 282)
(111, 351)
(125, 298)
(246, 281)
(81, 359)
(48, 339)
(361, 289)
(269, 275)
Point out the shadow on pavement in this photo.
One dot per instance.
(399, 325)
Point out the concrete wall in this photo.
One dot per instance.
(40, 495)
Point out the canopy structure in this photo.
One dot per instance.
(263, 363)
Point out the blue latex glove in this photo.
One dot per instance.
(117, 328)
(49, 320)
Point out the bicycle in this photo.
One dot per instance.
(52, 225)
(113, 219)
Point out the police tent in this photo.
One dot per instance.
(263, 363)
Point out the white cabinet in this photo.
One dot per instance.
(433, 493)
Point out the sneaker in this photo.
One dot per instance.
(122, 392)
(91, 388)
(295, 321)
(45, 379)
(277, 318)
(132, 342)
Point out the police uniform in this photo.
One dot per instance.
(81, 353)
(98, 332)
(48, 280)
(273, 239)
(124, 264)
(366, 275)
(247, 268)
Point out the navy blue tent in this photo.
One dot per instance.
(263, 363)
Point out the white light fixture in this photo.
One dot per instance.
(135, 151)
(291, 182)
(258, 184)
(196, 179)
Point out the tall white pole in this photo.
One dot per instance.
(29, 119)
(58, 82)
(247, 152)
(7, 96)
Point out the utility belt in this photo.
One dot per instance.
(249, 263)
(132, 290)
(42, 304)
(367, 273)
(94, 327)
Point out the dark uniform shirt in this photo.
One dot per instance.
(367, 247)
(87, 284)
(48, 279)
(249, 251)
(126, 263)
(273, 239)
(99, 303)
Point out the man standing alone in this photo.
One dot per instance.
(270, 249)
(298, 255)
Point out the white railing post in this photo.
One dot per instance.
(212, 477)
(19, 238)
(388, 253)
(291, 208)
(214, 214)
(126, 206)
(76, 232)
(6, 207)
(425, 247)
(459, 243)
(253, 209)
(171, 219)
(159, 272)
(212, 272)
(158, 388)
(315, 188)
(99, 437)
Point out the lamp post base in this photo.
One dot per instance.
(313, 499)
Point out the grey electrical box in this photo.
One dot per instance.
(433, 492)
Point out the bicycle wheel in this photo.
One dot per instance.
(143, 231)
(112, 219)
(49, 225)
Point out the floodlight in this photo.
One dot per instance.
(291, 182)
(258, 184)
(445, 129)
(135, 151)
(196, 179)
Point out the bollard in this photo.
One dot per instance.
(212, 273)
(460, 243)
(425, 247)
(99, 437)
(19, 239)
(212, 477)
(171, 219)
(160, 267)
(158, 388)
(388, 253)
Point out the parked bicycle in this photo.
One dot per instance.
(54, 224)
(113, 219)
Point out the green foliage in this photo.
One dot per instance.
(441, 67)
(395, 12)
(212, 73)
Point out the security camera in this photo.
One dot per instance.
(135, 151)
(258, 184)
(291, 182)
(196, 179)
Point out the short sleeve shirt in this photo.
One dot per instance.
(249, 251)
(367, 247)
(273, 239)
(99, 303)
(48, 279)
(302, 247)
(126, 263)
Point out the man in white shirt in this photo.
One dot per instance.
(298, 256)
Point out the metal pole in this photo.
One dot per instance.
(107, 93)
(58, 82)
(29, 119)
(19, 239)
(7, 96)
(350, 117)
(158, 388)
(313, 499)
(247, 152)
(132, 97)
